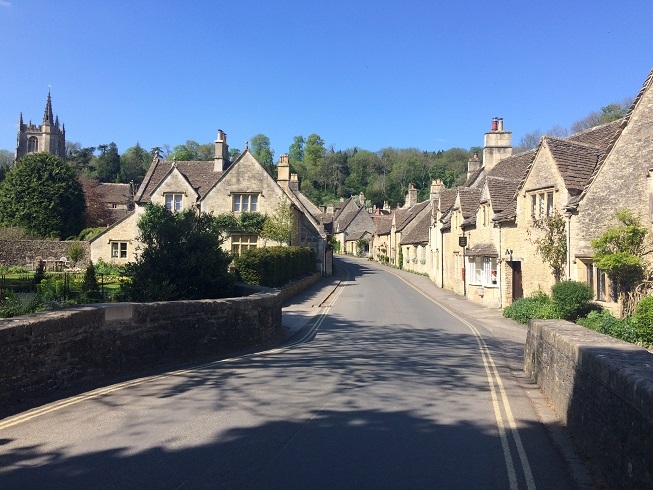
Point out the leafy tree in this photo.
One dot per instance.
(82, 159)
(96, 211)
(181, 258)
(90, 287)
(108, 163)
(234, 153)
(280, 226)
(206, 152)
(552, 245)
(75, 253)
(609, 113)
(6, 163)
(296, 150)
(260, 148)
(43, 196)
(184, 153)
(620, 252)
(133, 164)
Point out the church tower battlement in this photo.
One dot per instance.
(47, 136)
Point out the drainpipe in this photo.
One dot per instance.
(500, 272)
(568, 216)
(464, 270)
(442, 259)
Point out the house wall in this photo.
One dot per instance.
(544, 175)
(123, 231)
(175, 183)
(488, 295)
(419, 258)
(624, 181)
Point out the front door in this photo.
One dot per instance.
(517, 288)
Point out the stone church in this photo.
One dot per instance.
(46, 137)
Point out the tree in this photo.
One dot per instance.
(280, 226)
(181, 258)
(620, 252)
(43, 196)
(6, 163)
(133, 164)
(75, 253)
(96, 213)
(260, 148)
(296, 150)
(108, 163)
(552, 246)
(82, 159)
(609, 113)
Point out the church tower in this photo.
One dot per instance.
(47, 136)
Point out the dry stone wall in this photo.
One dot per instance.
(16, 252)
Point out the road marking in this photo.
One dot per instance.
(496, 384)
(55, 406)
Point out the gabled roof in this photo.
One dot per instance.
(113, 193)
(199, 174)
(447, 199)
(621, 124)
(404, 216)
(575, 162)
(420, 231)
(382, 224)
(469, 198)
(475, 178)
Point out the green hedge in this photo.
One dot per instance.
(274, 266)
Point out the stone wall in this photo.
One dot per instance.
(44, 353)
(602, 389)
(15, 252)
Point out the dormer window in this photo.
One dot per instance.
(174, 202)
(244, 202)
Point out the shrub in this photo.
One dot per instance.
(572, 299)
(274, 266)
(16, 304)
(627, 329)
(537, 306)
(643, 315)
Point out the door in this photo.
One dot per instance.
(517, 288)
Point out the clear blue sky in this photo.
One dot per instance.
(372, 73)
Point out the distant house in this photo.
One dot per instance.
(118, 199)
(218, 186)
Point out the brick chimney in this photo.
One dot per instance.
(436, 190)
(221, 159)
(497, 146)
(361, 199)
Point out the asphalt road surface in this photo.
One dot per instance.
(387, 386)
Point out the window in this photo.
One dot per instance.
(482, 271)
(32, 144)
(600, 285)
(589, 273)
(240, 243)
(118, 250)
(174, 202)
(542, 205)
(245, 202)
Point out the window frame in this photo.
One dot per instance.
(118, 249)
(176, 201)
(243, 241)
(244, 202)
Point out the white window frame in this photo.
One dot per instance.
(118, 250)
(244, 203)
(482, 271)
(174, 201)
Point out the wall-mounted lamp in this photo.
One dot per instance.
(508, 251)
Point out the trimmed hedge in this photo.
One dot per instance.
(274, 266)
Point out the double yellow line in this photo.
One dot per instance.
(502, 411)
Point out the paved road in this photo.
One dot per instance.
(386, 385)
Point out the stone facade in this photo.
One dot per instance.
(25, 252)
(217, 187)
(48, 352)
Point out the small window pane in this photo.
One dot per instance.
(253, 203)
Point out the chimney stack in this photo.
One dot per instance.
(473, 165)
(221, 159)
(283, 171)
(294, 182)
(498, 144)
(411, 196)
